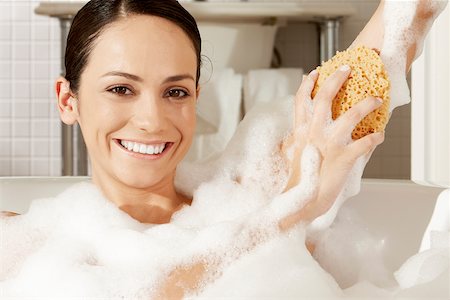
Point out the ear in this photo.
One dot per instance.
(67, 103)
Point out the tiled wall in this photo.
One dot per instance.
(30, 61)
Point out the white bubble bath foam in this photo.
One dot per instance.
(79, 245)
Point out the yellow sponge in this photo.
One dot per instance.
(367, 78)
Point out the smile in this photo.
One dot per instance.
(144, 149)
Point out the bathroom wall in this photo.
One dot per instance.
(30, 61)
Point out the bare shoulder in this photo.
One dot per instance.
(8, 214)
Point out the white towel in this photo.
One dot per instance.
(440, 220)
(218, 111)
(266, 85)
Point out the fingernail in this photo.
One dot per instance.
(379, 100)
(313, 72)
(344, 68)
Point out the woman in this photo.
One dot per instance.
(131, 83)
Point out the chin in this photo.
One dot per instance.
(140, 180)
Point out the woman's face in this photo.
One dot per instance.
(137, 100)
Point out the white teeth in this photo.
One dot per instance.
(150, 150)
(142, 148)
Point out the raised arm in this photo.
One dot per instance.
(373, 34)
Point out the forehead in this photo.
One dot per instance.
(144, 45)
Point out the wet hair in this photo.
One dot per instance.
(96, 15)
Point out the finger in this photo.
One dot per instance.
(365, 145)
(326, 94)
(303, 97)
(346, 123)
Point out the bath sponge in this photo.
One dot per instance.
(368, 78)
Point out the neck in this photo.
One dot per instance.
(154, 205)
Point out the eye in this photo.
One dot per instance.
(120, 90)
(177, 93)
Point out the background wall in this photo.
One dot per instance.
(30, 61)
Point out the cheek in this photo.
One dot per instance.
(187, 122)
(97, 116)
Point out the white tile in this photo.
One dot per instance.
(5, 128)
(21, 148)
(5, 31)
(5, 51)
(40, 128)
(5, 87)
(21, 109)
(55, 148)
(21, 51)
(55, 69)
(21, 128)
(21, 31)
(40, 89)
(40, 70)
(5, 70)
(40, 51)
(5, 167)
(5, 11)
(55, 128)
(21, 70)
(40, 31)
(54, 112)
(55, 51)
(55, 167)
(40, 109)
(55, 30)
(21, 89)
(5, 149)
(21, 167)
(40, 167)
(5, 110)
(21, 11)
(40, 148)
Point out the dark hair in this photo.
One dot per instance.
(96, 14)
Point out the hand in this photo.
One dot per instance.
(313, 125)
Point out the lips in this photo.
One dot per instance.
(144, 150)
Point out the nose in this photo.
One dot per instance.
(150, 114)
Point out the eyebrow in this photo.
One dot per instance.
(139, 79)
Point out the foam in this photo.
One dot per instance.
(79, 244)
(399, 35)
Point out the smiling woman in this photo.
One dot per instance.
(133, 69)
(133, 89)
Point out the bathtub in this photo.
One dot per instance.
(397, 210)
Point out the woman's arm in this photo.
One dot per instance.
(373, 33)
(372, 36)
